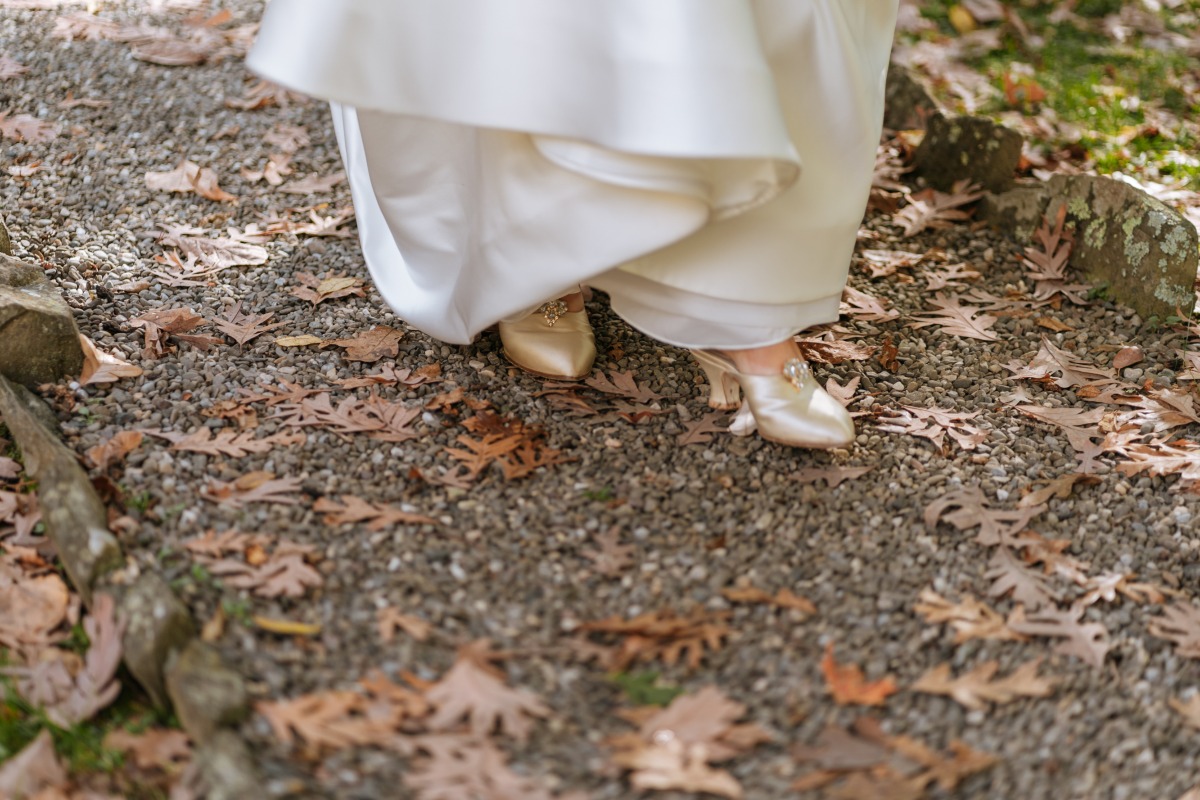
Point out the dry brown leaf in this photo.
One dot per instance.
(101, 367)
(624, 385)
(350, 509)
(1051, 324)
(285, 573)
(956, 319)
(784, 598)
(298, 341)
(207, 255)
(700, 431)
(1180, 624)
(966, 508)
(10, 68)
(1087, 641)
(389, 620)
(1072, 371)
(1060, 487)
(113, 449)
(863, 306)
(934, 424)
(263, 94)
(314, 184)
(31, 607)
(226, 442)
(188, 178)
(970, 618)
(317, 290)
(253, 487)
(370, 346)
(612, 558)
(153, 748)
(159, 324)
(456, 766)
(663, 635)
(285, 627)
(470, 692)
(1189, 709)
(389, 375)
(1009, 575)
(34, 772)
(216, 545)
(979, 687)
(848, 685)
(24, 128)
(330, 720)
(828, 350)
(1108, 586)
(243, 328)
(934, 209)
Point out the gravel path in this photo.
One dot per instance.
(509, 560)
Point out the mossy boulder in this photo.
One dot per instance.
(41, 341)
(974, 149)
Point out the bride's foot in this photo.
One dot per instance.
(788, 405)
(554, 341)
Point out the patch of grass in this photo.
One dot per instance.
(603, 494)
(238, 609)
(645, 689)
(1099, 86)
(140, 502)
(80, 747)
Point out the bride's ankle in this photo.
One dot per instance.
(766, 360)
(574, 301)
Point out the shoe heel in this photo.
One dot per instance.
(724, 392)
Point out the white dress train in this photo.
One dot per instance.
(705, 162)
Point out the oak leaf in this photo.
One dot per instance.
(611, 558)
(784, 598)
(1072, 371)
(663, 634)
(188, 177)
(979, 687)
(101, 367)
(848, 684)
(34, 772)
(883, 263)
(154, 748)
(159, 324)
(1010, 576)
(313, 184)
(389, 620)
(1108, 586)
(1188, 709)
(863, 306)
(966, 508)
(956, 319)
(950, 275)
(25, 128)
(970, 618)
(210, 255)
(264, 93)
(288, 138)
(1180, 624)
(350, 509)
(216, 545)
(243, 328)
(113, 449)
(283, 574)
(31, 608)
(829, 350)
(1087, 641)
(370, 346)
(933, 209)
(317, 290)
(934, 424)
(700, 431)
(456, 767)
(10, 68)
(623, 384)
(253, 487)
(1046, 262)
(329, 720)
(225, 442)
(471, 692)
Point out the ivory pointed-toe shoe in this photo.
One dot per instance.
(790, 407)
(551, 342)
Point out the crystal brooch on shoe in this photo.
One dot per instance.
(798, 372)
(552, 311)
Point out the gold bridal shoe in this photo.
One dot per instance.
(790, 408)
(552, 342)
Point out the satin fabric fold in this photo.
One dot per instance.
(676, 153)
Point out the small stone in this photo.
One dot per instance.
(974, 149)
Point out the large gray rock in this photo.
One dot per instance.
(157, 625)
(207, 694)
(1144, 251)
(41, 342)
(907, 103)
(974, 149)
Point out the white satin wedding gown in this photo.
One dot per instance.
(704, 162)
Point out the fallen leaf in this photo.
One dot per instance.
(623, 384)
(970, 618)
(1087, 641)
(1009, 575)
(970, 508)
(24, 128)
(472, 692)
(10, 68)
(187, 178)
(863, 306)
(113, 449)
(1051, 324)
(209, 255)
(956, 319)
(1060, 487)
(612, 558)
(317, 290)
(349, 510)
(31, 607)
(453, 766)
(226, 442)
(933, 209)
(102, 367)
(389, 620)
(934, 424)
(34, 772)
(370, 346)
(153, 748)
(298, 341)
(663, 635)
(1188, 709)
(848, 685)
(253, 487)
(700, 431)
(1179, 624)
(784, 598)
(313, 184)
(243, 328)
(979, 687)
(285, 627)
(1106, 587)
